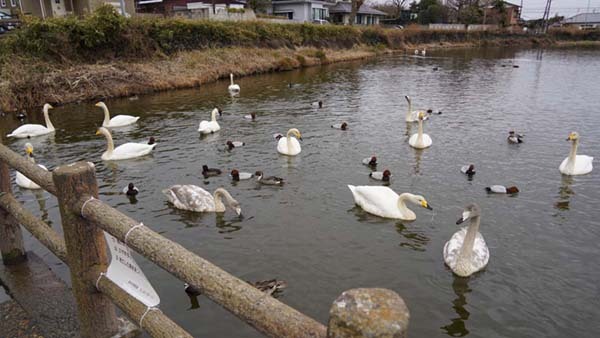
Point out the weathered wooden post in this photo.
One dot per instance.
(373, 313)
(11, 237)
(86, 250)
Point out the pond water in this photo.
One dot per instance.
(542, 278)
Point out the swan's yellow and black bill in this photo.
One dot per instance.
(426, 205)
(29, 150)
(571, 137)
(98, 104)
(460, 220)
(98, 132)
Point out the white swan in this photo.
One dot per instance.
(22, 180)
(32, 130)
(124, 151)
(207, 127)
(289, 145)
(424, 52)
(384, 202)
(420, 140)
(466, 252)
(576, 164)
(234, 88)
(115, 121)
(193, 198)
(413, 115)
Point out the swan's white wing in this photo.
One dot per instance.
(479, 258)
(131, 150)
(294, 146)
(234, 88)
(204, 127)
(452, 247)
(413, 140)
(122, 120)
(481, 253)
(380, 201)
(190, 197)
(583, 164)
(427, 142)
(29, 130)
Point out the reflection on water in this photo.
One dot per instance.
(416, 238)
(458, 327)
(564, 193)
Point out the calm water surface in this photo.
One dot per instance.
(542, 279)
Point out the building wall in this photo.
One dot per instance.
(8, 7)
(302, 11)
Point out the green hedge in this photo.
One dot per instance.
(105, 34)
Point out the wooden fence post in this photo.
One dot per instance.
(11, 237)
(373, 313)
(86, 250)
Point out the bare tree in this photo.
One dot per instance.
(398, 6)
(356, 4)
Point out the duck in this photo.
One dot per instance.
(466, 252)
(130, 190)
(576, 164)
(33, 130)
(277, 136)
(24, 181)
(124, 151)
(381, 175)
(271, 180)
(234, 144)
(193, 198)
(151, 140)
(240, 176)
(116, 121)
(209, 127)
(514, 137)
(500, 189)
(420, 140)
(370, 161)
(251, 116)
(207, 172)
(384, 202)
(341, 126)
(289, 145)
(233, 88)
(191, 290)
(317, 104)
(413, 115)
(21, 115)
(270, 286)
(468, 169)
(416, 52)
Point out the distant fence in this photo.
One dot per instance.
(355, 313)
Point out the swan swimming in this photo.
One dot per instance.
(289, 145)
(576, 164)
(466, 252)
(115, 121)
(420, 140)
(384, 202)
(124, 151)
(32, 130)
(193, 198)
(233, 88)
(208, 127)
(413, 115)
(24, 181)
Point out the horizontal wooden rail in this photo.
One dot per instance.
(155, 322)
(32, 171)
(265, 313)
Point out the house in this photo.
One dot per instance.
(583, 21)
(189, 8)
(59, 8)
(9, 6)
(301, 10)
(340, 13)
(509, 16)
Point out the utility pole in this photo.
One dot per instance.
(546, 16)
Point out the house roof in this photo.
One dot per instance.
(346, 7)
(584, 18)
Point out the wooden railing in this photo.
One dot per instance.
(356, 313)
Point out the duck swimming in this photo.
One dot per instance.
(500, 189)
(370, 161)
(208, 172)
(239, 176)
(116, 121)
(514, 137)
(271, 180)
(277, 136)
(468, 170)
(130, 190)
(341, 126)
(384, 202)
(234, 144)
(317, 104)
(33, 130)
(381, 175)
(24, 181)
(151, 140)
(576, 164)
(193, 198)
(466, 252)
(251, 116)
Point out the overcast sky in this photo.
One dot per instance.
(533, 9)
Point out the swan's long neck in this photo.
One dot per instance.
(213, 115)
(231, 78)
(218, 195)
(47, 120)
(106, 115)
(573, 154)
(409, 111)
(110, 145)
(289, 140)
(402, 203)
(420, 132)
(467, 248)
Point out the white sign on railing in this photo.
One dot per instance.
(124, 271)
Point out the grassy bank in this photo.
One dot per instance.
(104, 55)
